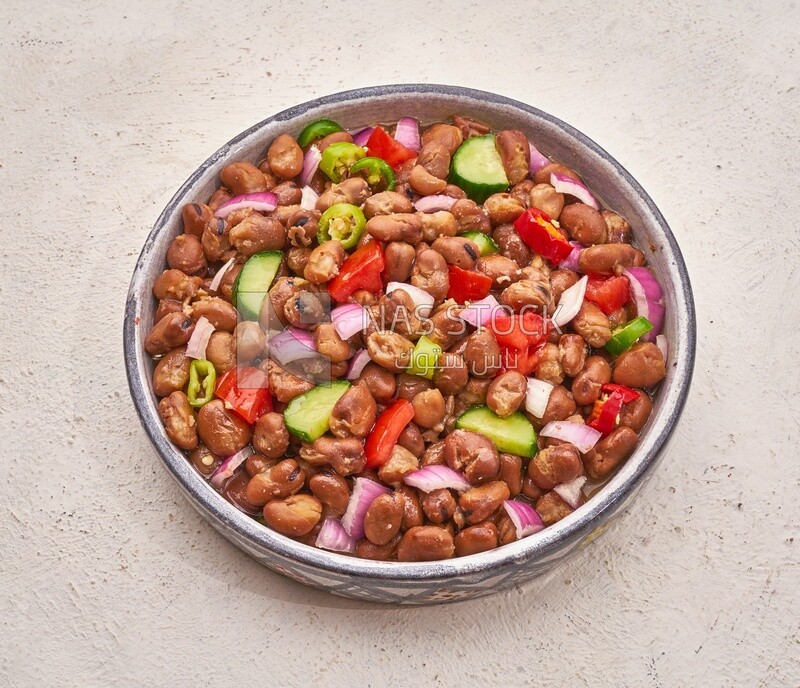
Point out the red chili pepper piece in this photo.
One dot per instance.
(608, 293)
(536, 229)
(386, 432)
(381, 145)
(362, 270)
(466, 285)
(628, 394)
(605, 412)
(245, 391)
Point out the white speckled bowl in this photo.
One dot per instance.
(480, 574)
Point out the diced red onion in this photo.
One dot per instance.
(364, 493)
(479, 312)
(648, 297)
(538, 161)
(407, 133)
(357, 364)
(435, 477)
(292, 344)
(349, 319)
(214, 286)
(433, 204)
(564, 184)
(311, 162)
(582, 436)
(571, 492)
(361, 136)
(524, 517)
(422, 300)
(661, 343)
(228, 467)
(570, 302)
(334, 537)
(571, 261)
(537, 396)
(196, 346)
(308, 199)
(262, 201)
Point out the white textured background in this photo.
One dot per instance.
(108, 577)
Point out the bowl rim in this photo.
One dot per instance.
(535, 547)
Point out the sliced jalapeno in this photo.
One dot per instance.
(317, 130)
(338, 157)
(202, 379)
(343, 222)
(625, 336)
(377, 172)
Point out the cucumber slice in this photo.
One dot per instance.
(254, 281)
(485, 243)
(513, 435)
(478, 169)
(307, 416)
(425, 358)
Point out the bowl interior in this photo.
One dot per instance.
(608, 179)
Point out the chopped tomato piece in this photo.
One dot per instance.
(608, 293)
(536, 229)
(628, 394)
(245, 391)
(362, 270)
(381, 145)
(386, 432)
(466, 285)
(524, 361)
(518, 330)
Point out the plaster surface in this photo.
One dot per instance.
(109, 577)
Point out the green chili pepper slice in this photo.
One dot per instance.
(377, 172)
(317, 130)
(343, 222)
(202, 379)
(624, 337)
(338, 157)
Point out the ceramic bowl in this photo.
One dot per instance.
(459, 578)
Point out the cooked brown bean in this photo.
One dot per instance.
(430, 273)
(222, 431)
(354, 413)
(478, 503)
(289, 194)
(345, 455)
(473, 454)
(547, 199)
(335, 137)
(555, 465)
(304, 310)
(583, 223)
(324, 261)
(438, 505)
(258, 463)
(282, 290)
(185, 253)
(401, 461)
(592, 324)
(618, 229)
(640, 366)
(332, 490)
(405, 227)
(399, 257)
(511, 245)
(425, 543)
(167, 306)
(511, 473)
(452, 375)
(522, 191)
(549, 367)
(179, 421)
(257, 233)
(470, 127)
(440, 223)
(470, 217)
(195, 218)
(530, 489)
(367, 550)
(502, 270)
(281, 480)
(221, 351)
(635, 413)
(383, 518)
(204, 461)
(506, 393)
(297, 259)
(435, 158)
(572, 353)
(587, 383)
(515, 153)
(411, 438)
(608, 259)
(560, 406)
(390, 350)
(478, 538)
(250, 341)
(171, 372)
(609, 453)
(457, 251)
(284, 385)
(474, 392)
(285, 157)
(542, 176)
(412, 510)
(429, 408)
(387, 203)
(221, 314)
(526, 292)
(502, 208)
(270, 436)
(242, 178)
(560, 281)
(294, 516)
(424, 183)
(330, 344)
(174, 284)
(445, 134)
(552, 508)
(217, 198)
(380, 382)
(215, 239)
(302, 226)
(354, 191)
(482, 354)
(170, 332)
